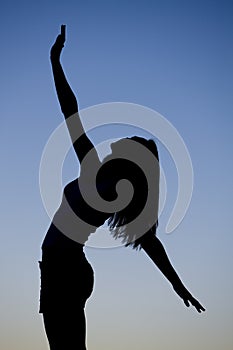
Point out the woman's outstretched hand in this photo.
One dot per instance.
(188, 298)
(59, 44)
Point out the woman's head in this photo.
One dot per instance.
(136, 160)
(148, 143)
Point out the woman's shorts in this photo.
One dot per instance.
(67, 280)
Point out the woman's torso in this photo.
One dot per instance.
(74, 220)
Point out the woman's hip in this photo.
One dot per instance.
(65, 281)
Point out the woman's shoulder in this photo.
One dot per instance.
(72, 185)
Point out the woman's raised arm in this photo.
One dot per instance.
(69, 106)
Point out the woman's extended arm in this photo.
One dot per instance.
(155, 250)
(69, 106)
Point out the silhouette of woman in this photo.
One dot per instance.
(66, 276)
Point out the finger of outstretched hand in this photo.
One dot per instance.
(198, 306)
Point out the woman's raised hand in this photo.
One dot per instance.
(59, 44)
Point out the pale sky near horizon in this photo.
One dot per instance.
(175, 57)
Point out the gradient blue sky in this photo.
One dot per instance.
(172, 56)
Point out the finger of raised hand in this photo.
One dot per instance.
(63, 32)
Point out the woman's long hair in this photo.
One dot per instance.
(117, 169)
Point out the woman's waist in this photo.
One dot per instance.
(60, 270)
(59, 256)
(54, 238)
